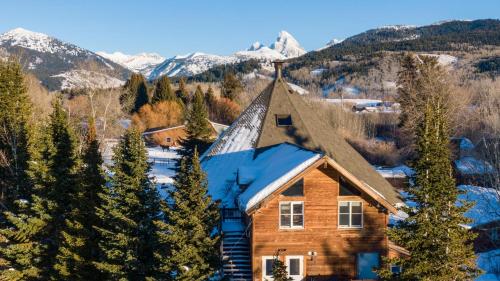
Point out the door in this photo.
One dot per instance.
(295, 267)
(366, 264)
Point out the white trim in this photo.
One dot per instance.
(301, 267)
(350, 215)
(263, 269)
(291, 214)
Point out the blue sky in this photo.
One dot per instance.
(223, 26)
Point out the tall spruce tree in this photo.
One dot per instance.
(24, 243)
(38, 232)
(130, 207)
(79, 249)
(191, 218)
(163, 91)
(198, 127)
(135, 93)
(14, 134)
(440, 246)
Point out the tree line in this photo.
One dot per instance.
(65, 216)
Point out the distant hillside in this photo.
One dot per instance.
(60, 65)
(447, 36)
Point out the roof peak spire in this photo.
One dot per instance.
(278, 67)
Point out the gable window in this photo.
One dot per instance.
(292, 214)
(283, 120)
(169, 139)
(296, 189)
(350, 214)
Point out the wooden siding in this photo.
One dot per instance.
(335, 248)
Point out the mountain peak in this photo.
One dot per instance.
(255, 46)
(287, 45)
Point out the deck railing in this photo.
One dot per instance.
(231, 214)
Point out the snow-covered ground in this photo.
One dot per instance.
(80, 78)
(443, 59)
(255, 75)
(163, 164)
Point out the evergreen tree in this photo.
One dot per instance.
(24, 247)
(210, 98)
(130, 207)
(79, 247)
(163, 90)
(440, 247)
(14, 134)
(135, 93)
(198, 127)
(231, 86)
(191, 221)
(279, 270)
(182, 92)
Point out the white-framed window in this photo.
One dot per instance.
(291, 214)
(295, 267)
(350, 214)
(267, 268)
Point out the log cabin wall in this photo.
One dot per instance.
(335, 248)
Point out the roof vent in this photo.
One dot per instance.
(278, 66)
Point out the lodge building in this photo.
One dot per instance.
(291, 187)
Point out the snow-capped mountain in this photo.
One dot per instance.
(287, 45)
(330, 43)
(284, 47)
(143, 63)
(56, 63)
(189, 64)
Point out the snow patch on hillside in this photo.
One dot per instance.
(80, 78)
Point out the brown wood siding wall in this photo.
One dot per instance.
(336, 248)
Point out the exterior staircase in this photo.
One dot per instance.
(236, 261)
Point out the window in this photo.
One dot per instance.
(296, 189)
(291, 214)
(346, 188)
(169, 139)
(395, 269)
(295, 267)
(283, 120)
(267, 267)
(350, 214)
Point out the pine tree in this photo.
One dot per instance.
(38, 231)
(191, 221)
(163, 91)
(130, 207)
(198, 127)
(14, 134)
(440, 247)
(182, 92)
(210, 97)
(135, 93)
(79, 247)
(231, 86)
(24, 247)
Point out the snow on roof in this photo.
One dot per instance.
(490, 263)
(469, 165)
(278, 165)
(487, 204)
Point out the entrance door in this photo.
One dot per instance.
(295, 267)
(366, 263)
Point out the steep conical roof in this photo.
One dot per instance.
(257, 128)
